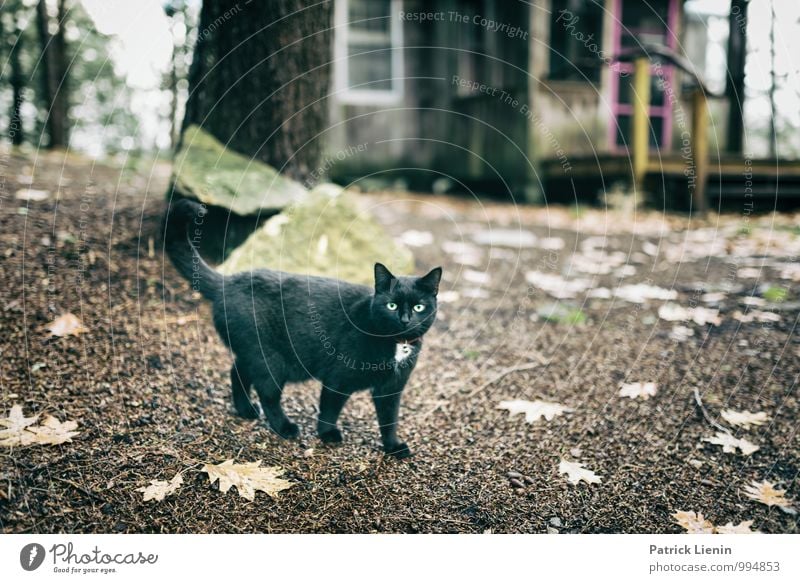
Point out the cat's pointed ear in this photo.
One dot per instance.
(383, 278)
(430, 282)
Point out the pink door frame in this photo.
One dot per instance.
(668, 75)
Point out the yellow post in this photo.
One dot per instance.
(700, 150)
(640, 140)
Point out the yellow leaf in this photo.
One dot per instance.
(160, 489)
(66, 325)
(247, 478)
(533, 410)
(766, 493)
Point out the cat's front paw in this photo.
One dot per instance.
(332, 435)
(245, 409)
(287, 430)
(398, 450)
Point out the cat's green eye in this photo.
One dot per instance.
(392, 306)
(419, 308)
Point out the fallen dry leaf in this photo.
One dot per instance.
(53, 432)
(635, 390)
(247, 478)
(640, 293)
(699, 314)
(32, 194)
(694, 522)
(14, 433)
(681, 333)
(741, 528)
(576, 472)
(20, 430)
(66, 325)
(766, 493)
(744, 418)
(756, 315)
(730, 443)
(534, 410)
(556, 286)
(160, 489)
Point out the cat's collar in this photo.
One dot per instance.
(408, 340)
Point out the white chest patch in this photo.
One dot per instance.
(402, 351)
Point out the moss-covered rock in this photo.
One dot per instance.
(327, 234)
(208, 171)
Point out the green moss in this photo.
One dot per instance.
(560, 313)
(775, 294)
(326, 234)
(204, 169)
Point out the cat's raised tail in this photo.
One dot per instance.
(182, 228)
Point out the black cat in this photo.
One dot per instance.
(285, 327)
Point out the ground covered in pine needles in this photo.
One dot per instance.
(147, 382)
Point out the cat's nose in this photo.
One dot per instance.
(404, 318)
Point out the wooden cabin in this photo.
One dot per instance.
(547, 100)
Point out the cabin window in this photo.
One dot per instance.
(576, 41)
(368, 50)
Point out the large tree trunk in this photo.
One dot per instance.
(54, 73)
(259, 78)
(734, 89)
(17, 85)
(16, 78)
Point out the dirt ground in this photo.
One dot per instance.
(148, 383)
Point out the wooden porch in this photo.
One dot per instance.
(693, 179)
(668, 181)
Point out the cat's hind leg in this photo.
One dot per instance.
(331, 402)
(240, 392)
(269, 386)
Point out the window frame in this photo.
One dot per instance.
(366, 96)
(555, 74)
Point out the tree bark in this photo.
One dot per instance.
(16, 77)
(54, 73)
(734, 89)
(15, 132)
(259, 80)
